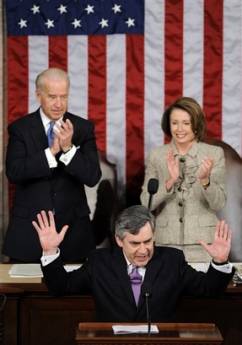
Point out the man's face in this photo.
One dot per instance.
(53, 98)
(139, 248)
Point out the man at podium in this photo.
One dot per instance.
(125, 279)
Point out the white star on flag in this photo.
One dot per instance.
(130, 22)
(76, 23)
(49, 23)
(104, 23)
(62, 9)
(35, 9)
(89, 9)
(116, 8)
(22, 23)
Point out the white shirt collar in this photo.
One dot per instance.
(130, 266)
(45, 120)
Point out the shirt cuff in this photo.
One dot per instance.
(50, 158)
(47, 259)
(67, 157)
(226, 268)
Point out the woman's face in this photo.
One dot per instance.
(181, 127)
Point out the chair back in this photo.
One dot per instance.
(102, 201)
(232, 211)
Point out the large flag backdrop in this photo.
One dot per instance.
(127, 60)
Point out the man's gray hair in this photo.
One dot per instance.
(53, 74)
(132, 219)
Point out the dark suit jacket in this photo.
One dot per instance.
(167, 278)
(40, 188)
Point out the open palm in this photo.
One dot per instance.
(49, 238)
(220, 248)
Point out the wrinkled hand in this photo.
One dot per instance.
(49, 238)
(65, 134)
(220, 248)
(173, 168)
(205, 169)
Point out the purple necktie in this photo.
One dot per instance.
(50, 133)
(136, 282)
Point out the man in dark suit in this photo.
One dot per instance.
(51, 155)
(163, 272)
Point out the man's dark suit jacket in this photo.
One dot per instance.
(40, 188)
(167, 278)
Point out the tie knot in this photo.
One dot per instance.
(135, 276)
(51, 124)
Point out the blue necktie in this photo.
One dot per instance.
(50, 133)
(136, 282)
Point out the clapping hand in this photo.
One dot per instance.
(65, 134)
(220, 248)
(62, 137)
(49, 238)
(55, 147)
(173, 168)
(205, 169)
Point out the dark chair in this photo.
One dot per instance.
(102, 201)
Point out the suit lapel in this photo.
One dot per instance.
(37, 131)
(152, 270)
(122, 275)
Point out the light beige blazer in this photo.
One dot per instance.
(187, 213)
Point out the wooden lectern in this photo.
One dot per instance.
(93, 333)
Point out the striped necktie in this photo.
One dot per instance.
(136, 282)
(50, 133)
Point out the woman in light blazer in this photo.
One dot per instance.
(191, 177)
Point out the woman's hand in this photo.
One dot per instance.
(204, 170)
(173, 168)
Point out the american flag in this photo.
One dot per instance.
(127, 60)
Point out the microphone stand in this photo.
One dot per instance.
(147, 295)
(150, 201)
(152, 188)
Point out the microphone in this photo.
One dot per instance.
(152, 188)
(148, 318)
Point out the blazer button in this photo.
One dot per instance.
(179, 189)
(181, 220)
(180, 204)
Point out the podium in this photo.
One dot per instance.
(93, 333)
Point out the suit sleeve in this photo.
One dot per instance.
(215, 194)
(211, 283)
(85, 166)
(60, 282)
(22, 163)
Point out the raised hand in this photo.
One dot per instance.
(173, 168)
(220, 248)
(55, 148)
(65, 134)
(49, 238)
(204, 171)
